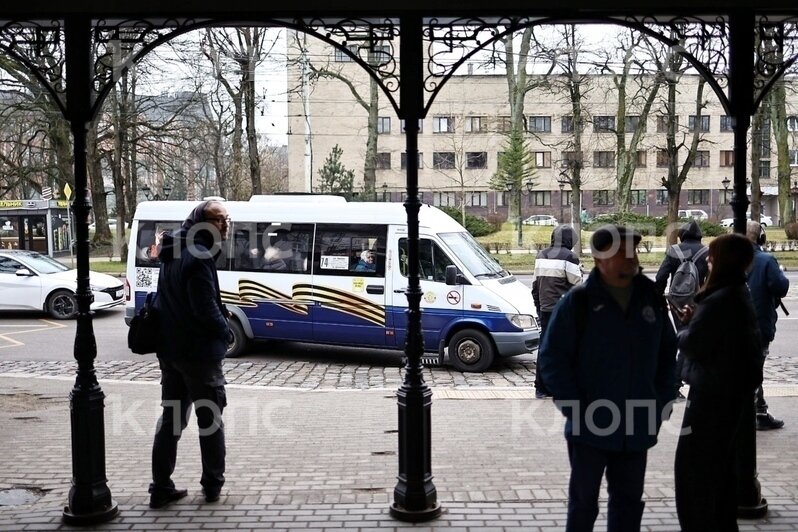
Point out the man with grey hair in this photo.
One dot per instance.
(767, 284)
(608, 357)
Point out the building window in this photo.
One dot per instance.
(663, 121)
(504, 124)
(792, 123)
(383, 161)
(444, 199)
(567, 124)
(380, 54)
(443, 124)
(539, 124)
(383, 125)
(420, 125)
(603, 197)
(793, 157)
(640, 159)
(476, 160)
(726, 124)
(702, 121)
(702, 159)
(725, 196)
(663, 158)
(604, 159)
(727, 158)
(566, 198)
(342, 57)
(476, 124)
(504, 198)
(603, 124)
(541, 198)
(764, 169)
(571, 159)
(542, 159)
(637, 197)
(633, 122)
(698, 196)
(443, 160)
(477, 199)
(662, 197)
(404, 160)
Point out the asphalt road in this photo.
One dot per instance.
(32, 336)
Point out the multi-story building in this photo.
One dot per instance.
(466, 129)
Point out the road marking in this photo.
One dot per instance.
(48, 325)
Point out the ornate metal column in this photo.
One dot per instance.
(741, 100)
(90, 499)
(415, 497)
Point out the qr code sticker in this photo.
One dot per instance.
(143, 277)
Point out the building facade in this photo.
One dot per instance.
(467, 128)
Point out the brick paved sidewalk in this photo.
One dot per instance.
(327, 460)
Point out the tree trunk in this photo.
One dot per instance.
(370, 163)
(757, 127)
(778, 121)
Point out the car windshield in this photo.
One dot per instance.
(474, 257)
(43, 264)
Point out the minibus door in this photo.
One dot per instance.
(440, 303)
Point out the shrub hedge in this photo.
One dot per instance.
(475, 225)
(652, 225)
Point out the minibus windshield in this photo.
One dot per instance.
(474, 257)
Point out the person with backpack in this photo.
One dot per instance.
(608, 358)
(557, 270)
(685, 266)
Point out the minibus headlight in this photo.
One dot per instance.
(522, 321)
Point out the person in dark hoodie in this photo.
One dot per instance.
(191, 350)
(689, 246)
(557, 270)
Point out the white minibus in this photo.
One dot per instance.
(320, 269)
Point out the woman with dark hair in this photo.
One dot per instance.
(723, 366)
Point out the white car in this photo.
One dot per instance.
(31, 281)
(540, 219)
(111, 225)
(696, 214)
(765, 220)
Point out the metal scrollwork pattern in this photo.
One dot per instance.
(370, 43)
(451, 42)
(40, 46)
(117, 44)
(776, 42)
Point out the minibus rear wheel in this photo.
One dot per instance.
(470, 350)
(239, 344)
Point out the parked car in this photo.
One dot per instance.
(540, 219)
(32, 281)
(696, 214)
(111, 225)
(765, 220)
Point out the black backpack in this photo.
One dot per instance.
(144, 334)
(685, 282)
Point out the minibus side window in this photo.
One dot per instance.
(432, 260)
(350, 249)
(271, 247)
(148, 239)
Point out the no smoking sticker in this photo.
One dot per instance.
(453, 297)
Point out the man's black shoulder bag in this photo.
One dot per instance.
(145, 329)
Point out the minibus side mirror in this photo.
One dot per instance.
(452, 277)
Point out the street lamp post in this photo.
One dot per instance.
(794, 194)
(520, 192)
(726, 183)
(156, 196)
(561, 184)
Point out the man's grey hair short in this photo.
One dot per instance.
(753, 230)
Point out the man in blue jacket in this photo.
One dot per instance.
(768, 285)
(608, 358)
(194, 340)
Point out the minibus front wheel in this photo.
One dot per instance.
(471, 350)
(239, 343)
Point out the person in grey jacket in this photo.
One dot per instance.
(557, 270)
(195, 336)
(768, 285)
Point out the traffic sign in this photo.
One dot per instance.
(68, 191)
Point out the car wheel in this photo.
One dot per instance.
(62, 305)
(471, 350)
(240, 340)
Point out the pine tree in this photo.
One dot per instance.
(515, 168)
(334, 178)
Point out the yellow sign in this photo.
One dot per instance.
(62, 203)
(68, 191)
(358, 284)
(8, 204)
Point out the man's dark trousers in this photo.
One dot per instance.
(185, 382)
(626, 473)
(544, 322)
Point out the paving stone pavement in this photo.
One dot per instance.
(315, 455)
